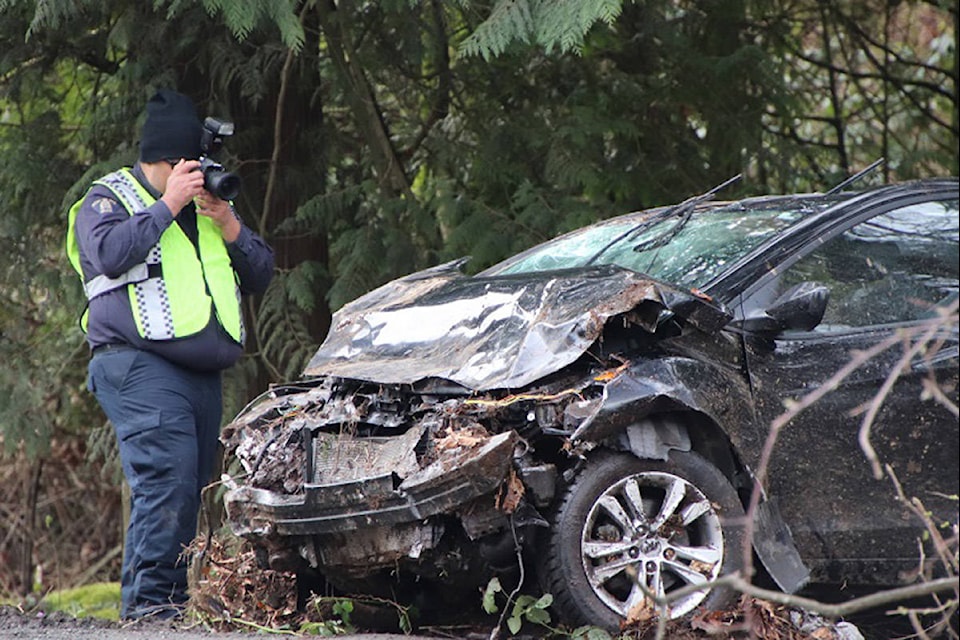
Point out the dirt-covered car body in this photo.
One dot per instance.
(600, 404)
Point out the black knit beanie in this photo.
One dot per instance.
(172, 129)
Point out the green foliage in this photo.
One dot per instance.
(40, 387)
(374, 241)
(490, 592)
(525, 607)
(243, 16)
(551, 24)
(342, 608)
(533, 609)
(589, 632)
(240, 17)
(45, 14)
(281, 324)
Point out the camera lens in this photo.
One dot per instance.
(219, 182)
(222, 184)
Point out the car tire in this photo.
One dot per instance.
(591, 528)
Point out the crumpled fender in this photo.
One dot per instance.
(662, 385)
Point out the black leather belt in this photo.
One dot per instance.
(113, 346)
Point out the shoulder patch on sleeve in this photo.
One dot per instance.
(103, 205)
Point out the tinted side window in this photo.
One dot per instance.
(892, 268)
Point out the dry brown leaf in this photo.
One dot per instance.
(641, 612)
(510, 493)
(712, 621)
(467, 437)
(702, 568)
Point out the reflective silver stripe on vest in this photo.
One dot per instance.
(154, 307)
(243, 328)
(102, 284)
(150, 293)
(121, 183)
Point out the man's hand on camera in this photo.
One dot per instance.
(184, 183)
(220, 212)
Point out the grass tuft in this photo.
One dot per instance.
(99, 600)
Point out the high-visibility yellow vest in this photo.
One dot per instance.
(173, 291)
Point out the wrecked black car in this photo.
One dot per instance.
(596, 409)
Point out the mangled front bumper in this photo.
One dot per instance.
(358, 483)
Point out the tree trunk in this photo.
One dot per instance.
(363, 102)
(31, 491)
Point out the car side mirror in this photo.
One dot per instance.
(799, 308)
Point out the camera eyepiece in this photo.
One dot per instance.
(216, 179)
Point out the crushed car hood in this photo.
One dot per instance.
(493, 332)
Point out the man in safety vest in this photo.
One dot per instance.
(164, 263)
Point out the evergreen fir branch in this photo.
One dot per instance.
(552, 24)
(359, 258)
(509, 21)
(283, 15)
(48, 14)
(242, 17)
(321, 212)
(564, 23)
(304, 282)
(285, 343)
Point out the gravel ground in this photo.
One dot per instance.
(15, 625)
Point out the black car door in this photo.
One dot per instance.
(889, 277)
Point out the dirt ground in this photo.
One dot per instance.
(15, 625)
(18, 625)
(769, 625)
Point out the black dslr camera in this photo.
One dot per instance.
(216, 179)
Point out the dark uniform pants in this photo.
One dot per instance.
(167, 421)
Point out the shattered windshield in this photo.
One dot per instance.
(686, 252)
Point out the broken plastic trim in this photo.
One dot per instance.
(452, 480)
